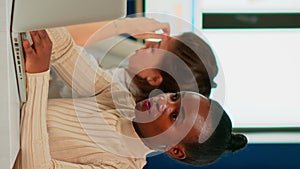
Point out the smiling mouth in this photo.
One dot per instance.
(147, 105)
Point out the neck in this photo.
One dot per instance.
(140, 134)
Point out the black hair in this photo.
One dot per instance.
(222, 139)
(200, 59)
(198, 74)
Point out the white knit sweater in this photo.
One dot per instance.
(92, 131)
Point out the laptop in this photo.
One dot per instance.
(29, 15)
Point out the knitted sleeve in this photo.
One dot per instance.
(85, 78)
(76, 70)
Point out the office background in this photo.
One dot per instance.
(243, 33)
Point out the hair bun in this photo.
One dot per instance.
(238, 141)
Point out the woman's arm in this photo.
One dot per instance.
(88, 34)
(81, 33)
(75, 69)
(34, 138)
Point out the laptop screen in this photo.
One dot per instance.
(28, 15)
(40, 14)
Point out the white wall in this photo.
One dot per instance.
(260, 77)
(9, 101)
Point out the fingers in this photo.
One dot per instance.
(159, 25)
(149, 35)
(40, 39)
(36, 39)
(149, 44)
(44, 36)
(41, 43)
(166, 28)
(38, 55)
(27, 48)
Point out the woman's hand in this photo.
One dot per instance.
(141, 25)
(38, 55)
(151, 35)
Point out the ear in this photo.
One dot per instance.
(177, 152)
(155, 80)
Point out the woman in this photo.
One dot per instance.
(95, 130)
(185, 60)
(193, 62)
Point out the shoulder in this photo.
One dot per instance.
(121, 162)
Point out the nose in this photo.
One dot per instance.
(159, 104)
(162, 104)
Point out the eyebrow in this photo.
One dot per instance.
(182, 108)
(183, 115)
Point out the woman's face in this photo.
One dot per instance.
(166, 119)
(144, 62)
